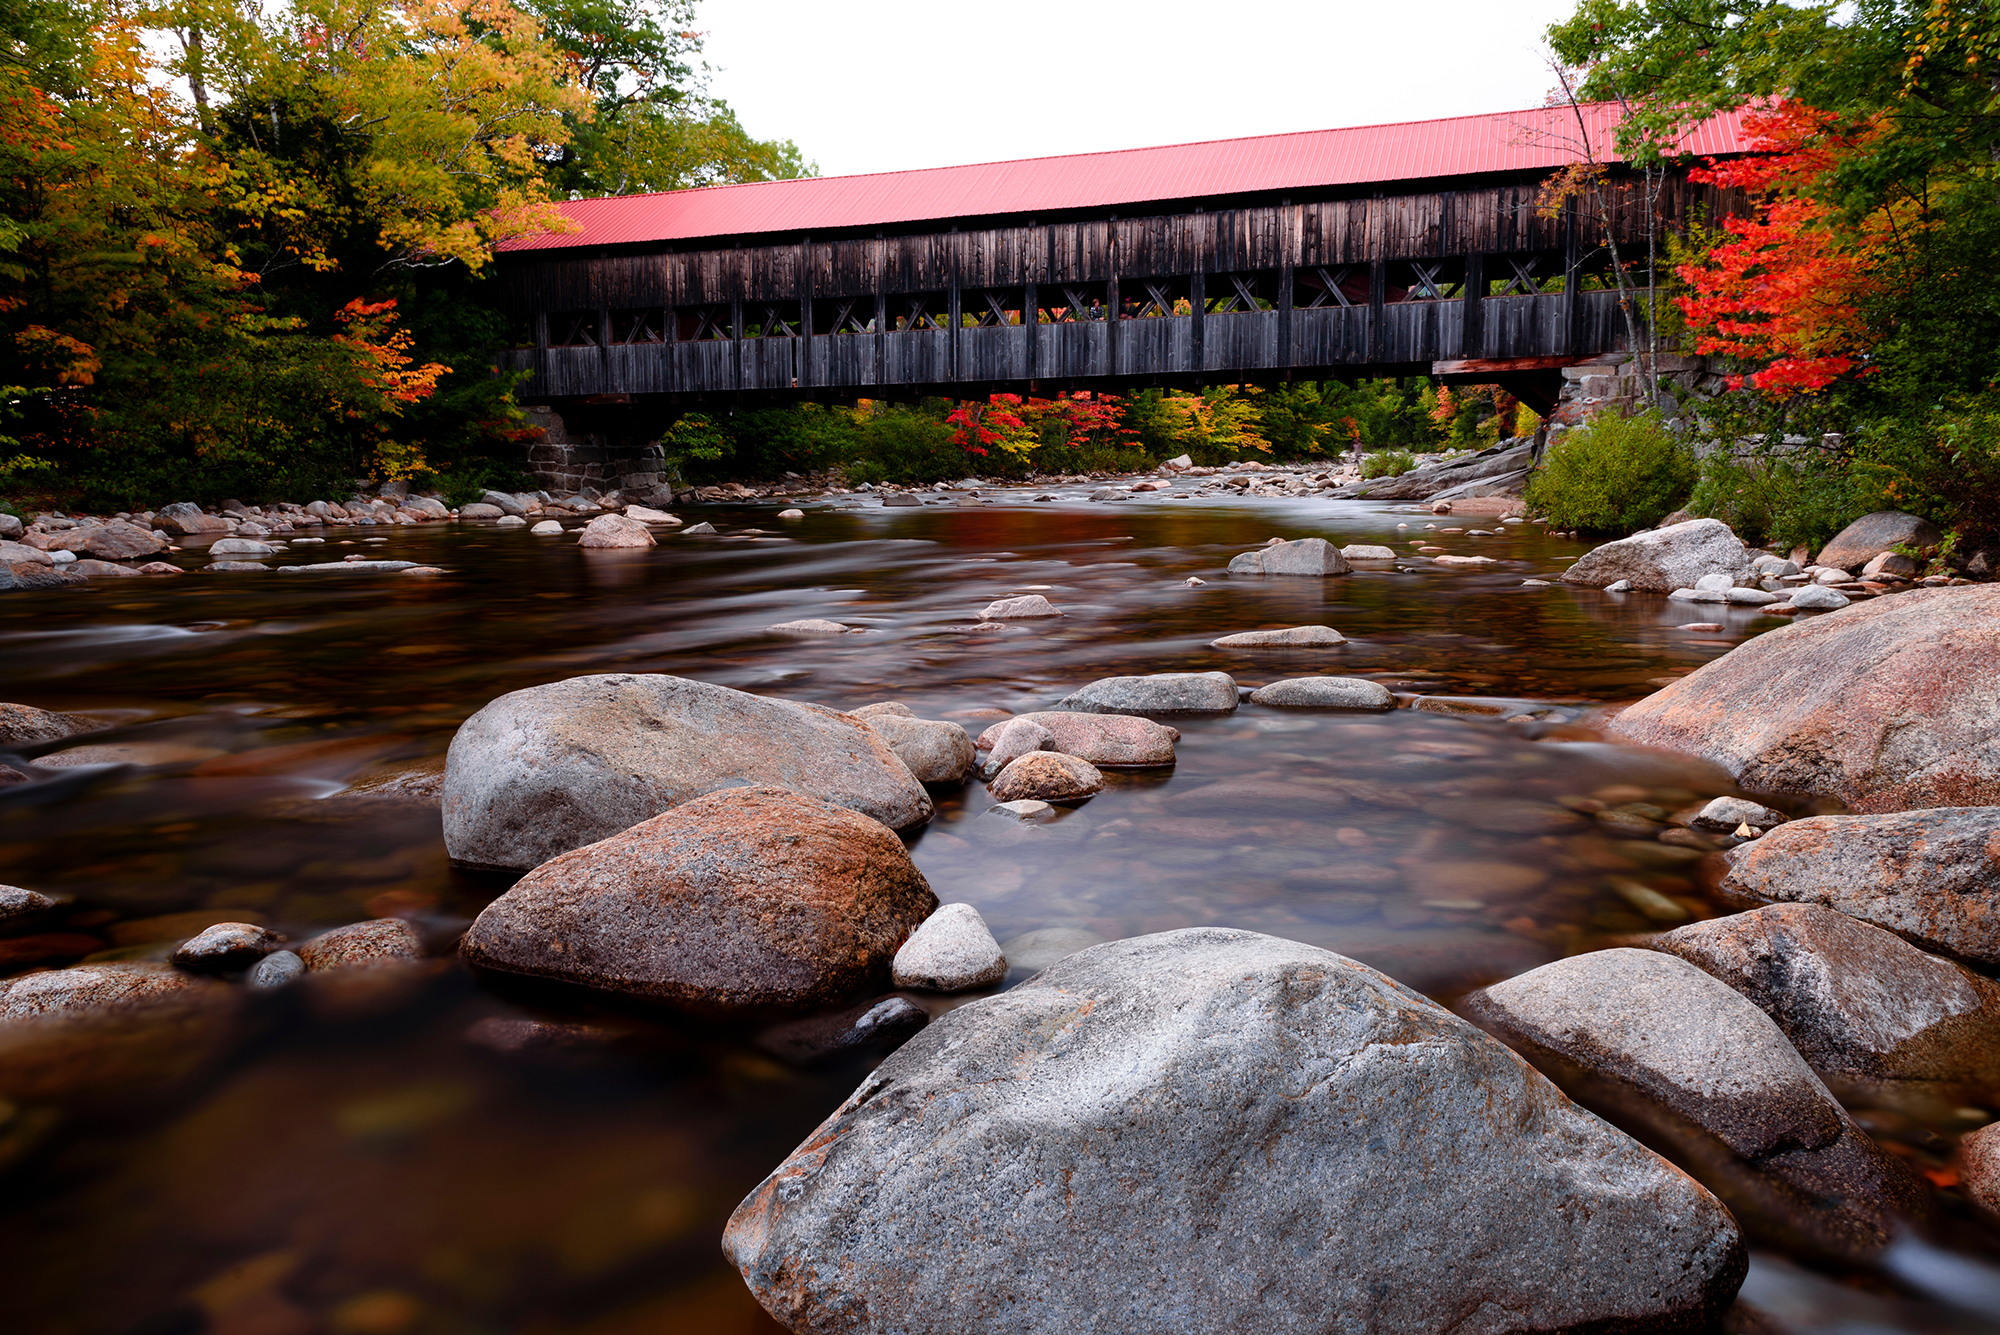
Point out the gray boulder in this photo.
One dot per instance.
(1047, 776)
(504, 502)
(184, 518)
(541, 771)
(226, 947)
(480, 510)
(1212, 1130)
(1893, 704)
(614, 530)
(1815, 598)
(739, 902)
(1656, 1046)
(115, 540)
(1159, 693)
(1291, 637)
(1932, 877)
(1870, 1013)
(952, 951)
(1109, 741)
(1726, 814)
(1498, 463)
(241, 547)
(25, 725)
(1872, 535)
(1665, 559)
(936, 751)
(1324, 693)
(1301, 556)
(1028, 607)
(18, 905)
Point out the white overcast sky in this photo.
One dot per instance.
(884, 85)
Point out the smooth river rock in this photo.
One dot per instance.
(615, 530)
(369, 944)
(935, 750)
(741, 901)
(952, 951)
(1211, 1131)
(226, 947)
(24, 725)
(1653, 1044)
(541, 771)
(1109, 741)
(1324, 693)
(1664, 559)
(1028, 607)
(1891, 705)
(19, 905)
(1159, 693)
(1932, 877)
(1047, 776)
(116, 540)
(95, 989)
(1292, 637)
(1979, 1168)
(1301, 556)
(1869, 1012)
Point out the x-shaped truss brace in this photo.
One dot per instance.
(776, 323)
(995, 313)
(920, 316)
(1245, 295)
(1330, 288)
(642, 330)
(1426, 288)
(711, 322)
(582, 332)
(845, 321)
(1524, 277)
(1156, 300)
(1081, 304)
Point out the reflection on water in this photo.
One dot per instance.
(340, 1157)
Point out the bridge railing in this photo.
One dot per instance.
(1325, 340)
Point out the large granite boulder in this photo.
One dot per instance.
(1887, 705)
(544, 770)
(615, 530)
(1871, 535)
(96, 989)
(739, 902)
(1932, 877)
(186, 519)
(114, 540)
(1212, 1130)
(1870, 1013)
(1047, 776)
(1301, 556)
(1109, 741)
(1504, 465)
(1654, 1045)
(1158, 693)
(25, 725)
(1665, 559)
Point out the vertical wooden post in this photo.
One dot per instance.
(1111, 320)
(1197, 302)
(805, 366)
(881, 338)
(1286, 234)
(542, 330)
(953, 369)
(1572, 283)
(736, 344)
(1475, 311)
(1031, 312)
(1378, 281)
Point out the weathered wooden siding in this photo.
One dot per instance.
(708, 301)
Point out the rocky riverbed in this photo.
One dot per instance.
(1212, 907)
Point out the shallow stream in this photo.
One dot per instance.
(350, 1160)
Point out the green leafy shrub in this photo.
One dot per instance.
(468, 482)
(1943, 465)
(1387, 463)
(1778, 496)
(906, 445)
(1613, 474)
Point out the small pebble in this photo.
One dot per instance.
(276, 969)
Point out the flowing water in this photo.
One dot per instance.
(354, 1158)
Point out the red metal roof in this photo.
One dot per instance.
(1538, 139)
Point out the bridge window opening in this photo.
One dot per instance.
(1067, 303)
(844, 315)
(641, 326)
(1154, 298)
(1332, 286)
(919, 310)
(989, 309)
(1244, 292)
(769, 319)
(1524, 275)
(1425, 280)
(573, 329)
(520, 330)
(701, 324)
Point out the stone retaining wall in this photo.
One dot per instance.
(569, 460)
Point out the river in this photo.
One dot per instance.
(354, 1160)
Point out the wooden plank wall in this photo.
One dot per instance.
(1031, 264)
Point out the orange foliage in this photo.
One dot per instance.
(1790, 285)
(384, 352)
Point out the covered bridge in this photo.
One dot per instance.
(1327, 254)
